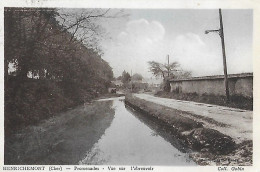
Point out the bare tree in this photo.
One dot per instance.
(167, 72)
(83, 24)
(35, 32)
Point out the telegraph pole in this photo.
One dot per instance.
(224, 54)
(221, 34)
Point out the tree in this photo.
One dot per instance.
(183, 74)
(32, 33)
(167, 72)
(25, 30)
(137, 77)
(50, 64)
(119, 78)
(84, 24)
(126, 77)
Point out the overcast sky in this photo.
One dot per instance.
(151, 34)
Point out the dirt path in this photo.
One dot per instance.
(235, 123)
(63, 139)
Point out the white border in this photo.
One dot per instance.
(156, 4)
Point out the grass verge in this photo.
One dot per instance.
(235, 100)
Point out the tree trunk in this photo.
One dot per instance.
(167, 86)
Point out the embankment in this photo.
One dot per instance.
(34, 100)
(193, 132)
(211, 145)
(61, 140)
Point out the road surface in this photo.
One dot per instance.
(235, 123)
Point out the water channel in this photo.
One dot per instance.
(104, 132)
(133, 138)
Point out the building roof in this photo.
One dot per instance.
(117, 82)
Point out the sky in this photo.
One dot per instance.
(151, 34)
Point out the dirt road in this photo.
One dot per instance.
(235, 123)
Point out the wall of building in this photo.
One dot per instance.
(239, 84)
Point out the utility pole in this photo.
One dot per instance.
(221, 34)
(224, 54)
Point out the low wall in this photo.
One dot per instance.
(239, 84)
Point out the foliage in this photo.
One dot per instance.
(137, 77)
(49, 59)
(126, 77)
(119, 78)
(166, 71)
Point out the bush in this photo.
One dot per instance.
(34, 100)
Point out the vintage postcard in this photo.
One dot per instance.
(129, 85)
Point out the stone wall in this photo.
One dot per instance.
(239, 84)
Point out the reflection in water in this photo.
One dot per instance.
(63, 139)
(160, 129)
(128, 141)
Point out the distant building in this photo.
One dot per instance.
(118, 83)
(154, 82)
